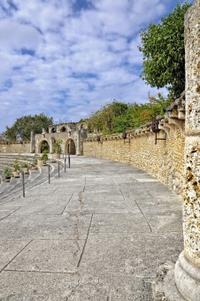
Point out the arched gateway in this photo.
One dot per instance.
(70, 147)
(71, 136)
(44, 146)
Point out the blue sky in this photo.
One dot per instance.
(67, 58)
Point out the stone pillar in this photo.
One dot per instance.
(187, 269)
(32, 143)
(51, 146)
(78, 142)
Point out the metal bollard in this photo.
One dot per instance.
(49, 174)
(69, 160)
(58, 169)
(65, 164)
(23, 184)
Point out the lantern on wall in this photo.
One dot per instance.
(155, 126)
(156, 130)
(99, 139)
(124, 135)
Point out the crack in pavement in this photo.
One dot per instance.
(150, 228)
(67, 203)
(84, 246)
(9, 214)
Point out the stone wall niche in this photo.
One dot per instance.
(187, 269)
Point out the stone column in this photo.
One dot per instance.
(78, 143)
(51, 146)
(187, 270)
(32, 143)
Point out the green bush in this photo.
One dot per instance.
(44, 157)
(57, 146)
(25, 165)
(16, 166)
(7, 172)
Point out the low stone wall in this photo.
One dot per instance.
(164, 160)
(15, 148)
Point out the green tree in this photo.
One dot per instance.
(23, 126)
(104, 119)
(118, 117)
(164, 53)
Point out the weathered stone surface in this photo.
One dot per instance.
(23, 286)
(138, 256)
(59, 256)
(164, 160)
(187, 269)
(192, 149)
(8, 249)
(164, 287)
(15, 148)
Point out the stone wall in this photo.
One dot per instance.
(15, 148)
(192, 132)
(164, 160)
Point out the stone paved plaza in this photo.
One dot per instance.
(99, 232)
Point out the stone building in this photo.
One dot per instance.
(71, 136)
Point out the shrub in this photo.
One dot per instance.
(7, 172)
(57, 146)
(44, 157)
(16, 166)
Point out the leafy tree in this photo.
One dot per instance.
(104, 119)
(23, 126)
(164, 53)
(118, 117)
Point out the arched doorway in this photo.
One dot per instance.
(44, 146)
(70, 147)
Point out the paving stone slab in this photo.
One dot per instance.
(165, 222)
(70, 226)
(9, 249)
(24, 286)
(129, 254)
(59, 256)
(98, 207)
(39, 207)
(31, 286)
(119, 223)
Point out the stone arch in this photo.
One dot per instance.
(44, 146)
(63, 129)
(70, 147)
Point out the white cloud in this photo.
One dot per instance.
(68, 63)
(15, 36)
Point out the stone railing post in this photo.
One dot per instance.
(187, 269)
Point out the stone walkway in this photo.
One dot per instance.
(97, 233)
